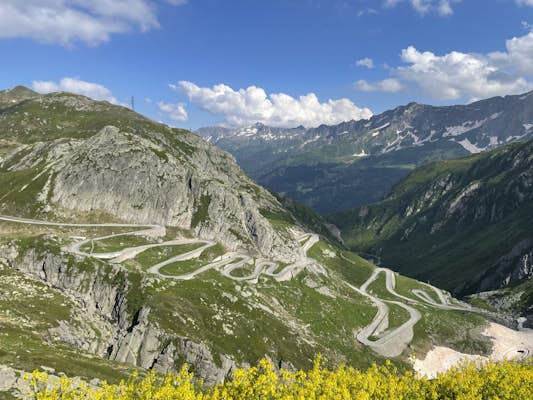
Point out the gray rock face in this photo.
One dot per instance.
(8, 378)
(515, 266)
(99, 158)
(130, 177)
(132, 339)
(13, 381)
(304, 163)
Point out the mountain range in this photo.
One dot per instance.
(127, 245)
(334, 168)
(462, 224)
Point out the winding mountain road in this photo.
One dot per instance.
(394, 342)
(376, 335)
(224, 264)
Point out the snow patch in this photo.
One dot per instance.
(527, 127)
(470, 147)
(250, 131)
(525, 96)
(463, 128)
(309, 141)
(511, 138)
(507, 343)
(377, 130)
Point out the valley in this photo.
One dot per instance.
(319, 277)
(127, 245)
(462, 224)
(280, 200)
(332, 168)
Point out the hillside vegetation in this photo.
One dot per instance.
(127, 245)
(461, 224)
(506, 380)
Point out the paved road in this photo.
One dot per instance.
(389, 343)
(394, 342)
(225, 264)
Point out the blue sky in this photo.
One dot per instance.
(282, 62)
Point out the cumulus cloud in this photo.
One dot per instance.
(518, 57)
(246, 106)
(176, 112)
(69, 21)
(525, 3)
(390, 85)
(440, 7)
(75, 85)
(458, 75)
(365, 62)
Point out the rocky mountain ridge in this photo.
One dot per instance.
(128, 245)
(463, 224)
(356, 162)
(123, 332)
(132, 169)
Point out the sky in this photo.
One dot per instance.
(194, 63)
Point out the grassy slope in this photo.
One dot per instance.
(28, 308)
(456, 329)
(291, 320)
(459, 250)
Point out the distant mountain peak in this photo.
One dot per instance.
(16, 94)
(332, 167)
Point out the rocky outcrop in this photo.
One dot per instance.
(125, 335)
(515, 266)
(146, 345)
(13, 382)
(185, 183)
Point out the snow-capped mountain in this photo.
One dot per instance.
(359, 161)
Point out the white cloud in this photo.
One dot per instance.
(365, 62)
(246, 106)
(518, 56)
(440, 7)
(445, 8)
(176, 112)
(525, 3)
(463, 76)
(69, 21)
(390, 85)
(391, 3)
(367, 11)
(457, 75)
(75, 85)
